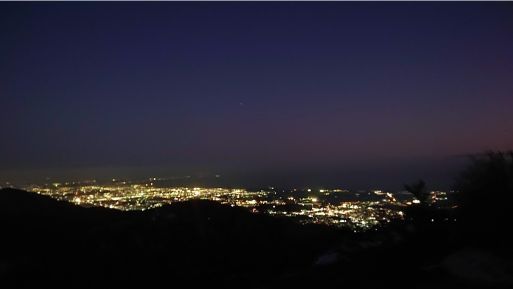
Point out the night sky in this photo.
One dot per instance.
(349, 94)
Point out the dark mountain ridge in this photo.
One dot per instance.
(203, 244)
(227, 245)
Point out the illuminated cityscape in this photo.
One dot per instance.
(334, 207)
(256, 144)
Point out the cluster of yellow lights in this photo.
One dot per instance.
(314, 209)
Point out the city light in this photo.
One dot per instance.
(334, 207)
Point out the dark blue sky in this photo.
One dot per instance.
(255, 87)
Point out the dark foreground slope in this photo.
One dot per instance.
(201, 244)
(46, 242)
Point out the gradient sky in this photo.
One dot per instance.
(254, 87)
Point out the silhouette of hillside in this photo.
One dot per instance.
(59, 243)
(203, 244)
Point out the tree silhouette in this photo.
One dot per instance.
(486, 194)
(418, 189)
